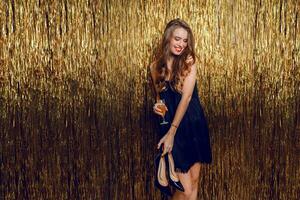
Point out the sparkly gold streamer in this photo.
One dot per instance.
(75, 117)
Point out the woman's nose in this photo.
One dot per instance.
(181, 44)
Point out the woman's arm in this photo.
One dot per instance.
(153, 80)
(188, 86)
(187, 91)
(156, 109)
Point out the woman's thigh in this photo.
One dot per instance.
(195, 171)
(186, 181)
(189, 178)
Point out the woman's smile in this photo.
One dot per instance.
(178, 49)
(179, 41)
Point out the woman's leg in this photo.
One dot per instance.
(190, 181)
(186, 181)
(195, 172)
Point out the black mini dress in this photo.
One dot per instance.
(191, 141)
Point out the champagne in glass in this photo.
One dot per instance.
(162, 106)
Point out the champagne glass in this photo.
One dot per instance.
(162, 105)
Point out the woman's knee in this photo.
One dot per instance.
(195, 174)
(188, 191)
(195, 183)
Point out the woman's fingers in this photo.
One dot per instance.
(156, 106)
(158, 145)
(164, 152)
(161, 142)
(157, 110)
(159, 113)
(167, 149)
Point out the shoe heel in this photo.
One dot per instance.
(161, 180)
(174, 179)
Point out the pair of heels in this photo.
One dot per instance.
(165, 174)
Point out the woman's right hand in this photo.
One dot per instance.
(157, 110)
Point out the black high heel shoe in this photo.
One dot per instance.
(172, 176)
(161, 181)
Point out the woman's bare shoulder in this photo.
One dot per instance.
(152, 66)
(153, 72)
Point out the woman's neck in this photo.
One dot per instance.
(170, 62)
(169, 67)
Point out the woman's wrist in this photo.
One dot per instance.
(173, 129)
(175, 126)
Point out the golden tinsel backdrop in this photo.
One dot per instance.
(76, 117)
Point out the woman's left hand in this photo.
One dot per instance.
(167, 141)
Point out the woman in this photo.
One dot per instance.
(186, 136)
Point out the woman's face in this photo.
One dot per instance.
(178, 41)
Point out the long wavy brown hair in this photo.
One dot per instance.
(181, 64)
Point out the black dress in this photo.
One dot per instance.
(191, 141)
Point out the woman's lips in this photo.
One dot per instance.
(178, 49)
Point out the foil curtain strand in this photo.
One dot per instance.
(75, 103)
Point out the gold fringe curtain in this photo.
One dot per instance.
(75, 104)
